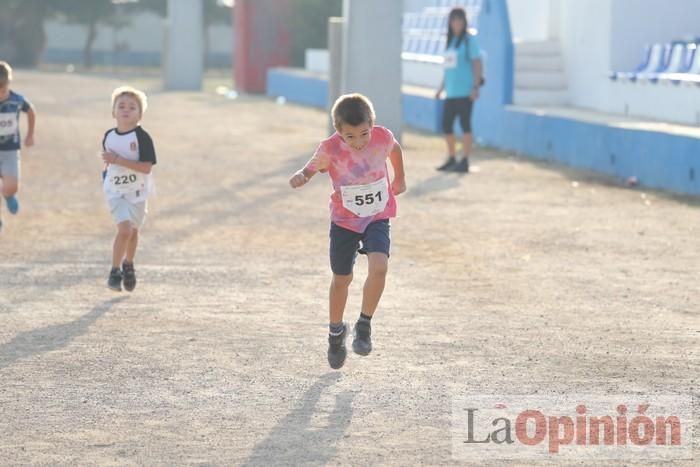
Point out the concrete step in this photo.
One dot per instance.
(535, 97)
(537, 48)
(533, 63)
(540, 80)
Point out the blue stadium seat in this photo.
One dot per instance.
(410, 20)
(674, 63)
(424, 33)
(413, 44)
(653, 60)
(423, 45)
(693, 72)
(405, 43)
(434, 47)
(684, 67)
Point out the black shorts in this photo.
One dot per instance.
(457, 107)
(346, 243)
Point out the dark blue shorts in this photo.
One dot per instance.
(345, 244)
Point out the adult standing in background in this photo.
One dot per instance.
(462, 79)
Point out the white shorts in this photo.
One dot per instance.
(126, 211)
(9, 163)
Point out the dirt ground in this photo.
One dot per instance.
(521, 278)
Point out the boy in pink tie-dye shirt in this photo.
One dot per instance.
(362, 202)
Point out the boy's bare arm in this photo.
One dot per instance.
(137, 166)
(396, 158)
(31, 122)
(301, 177)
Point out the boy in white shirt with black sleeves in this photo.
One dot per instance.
(129, 155)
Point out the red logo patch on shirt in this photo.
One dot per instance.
(132, 146)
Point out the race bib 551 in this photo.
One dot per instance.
(366, 200)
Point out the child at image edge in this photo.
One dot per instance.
(11, 104)
(129, 156)
(362, 202)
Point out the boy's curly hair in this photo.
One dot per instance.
(352, 109)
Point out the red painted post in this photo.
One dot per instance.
(262, 41)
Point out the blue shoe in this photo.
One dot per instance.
(12, 204)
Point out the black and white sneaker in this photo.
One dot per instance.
(462, 166)
(449, 164)
(129, 276)
(362, 343)
(336, 349)
(115, 280)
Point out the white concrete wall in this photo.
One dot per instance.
(145, 33)
(183, 62)
(585, 39)
(317, 61)
(645, 21)
(374, 26)
(664, 101)
(529, 19)
(598, 36)
(417, 5)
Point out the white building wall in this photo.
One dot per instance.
(585, 39)
(417, 5)
(599, 36)
(144, 33)
(529, 19)
(640, 22)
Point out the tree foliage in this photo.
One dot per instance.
(309, 25)
(23, 37)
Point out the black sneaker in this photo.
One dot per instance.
(362, 344)
(449, 164)
(115, 280)
(462, 166)
(336, 349)
(129, 276)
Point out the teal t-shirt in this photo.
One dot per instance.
(459, 76)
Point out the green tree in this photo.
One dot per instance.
(159, 7)
(214, 12)
(22, 34)
(309, 25)
(89, 13)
